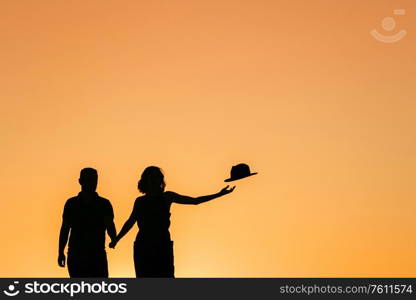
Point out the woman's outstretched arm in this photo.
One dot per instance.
(126, 228)
(176, 198)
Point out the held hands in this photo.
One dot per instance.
(226, 190)
(113, 243)
(61, 260)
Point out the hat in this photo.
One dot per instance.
(239, 171)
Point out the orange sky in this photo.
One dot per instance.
(300, 90)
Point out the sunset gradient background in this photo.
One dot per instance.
(299, 90)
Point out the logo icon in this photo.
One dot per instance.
(388, 24)
(12, 289)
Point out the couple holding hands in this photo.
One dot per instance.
(87, 217)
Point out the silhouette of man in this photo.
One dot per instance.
(88, 217)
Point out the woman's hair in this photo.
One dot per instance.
(152, 179)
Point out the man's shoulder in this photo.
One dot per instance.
(104, 201)
(70, 206)
(71, 200)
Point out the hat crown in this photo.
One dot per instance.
(239, 171)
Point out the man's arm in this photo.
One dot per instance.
(63, 238)
(111, 230)
(111, 227)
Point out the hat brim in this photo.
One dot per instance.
(238, 178)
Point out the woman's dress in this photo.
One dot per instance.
(153, 248)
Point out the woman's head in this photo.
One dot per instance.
(152, 181)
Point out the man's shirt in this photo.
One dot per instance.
(88, 220)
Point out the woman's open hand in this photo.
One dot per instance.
(226, 190)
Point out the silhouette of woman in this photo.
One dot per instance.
(153, 248)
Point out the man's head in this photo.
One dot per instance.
(88, 179)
